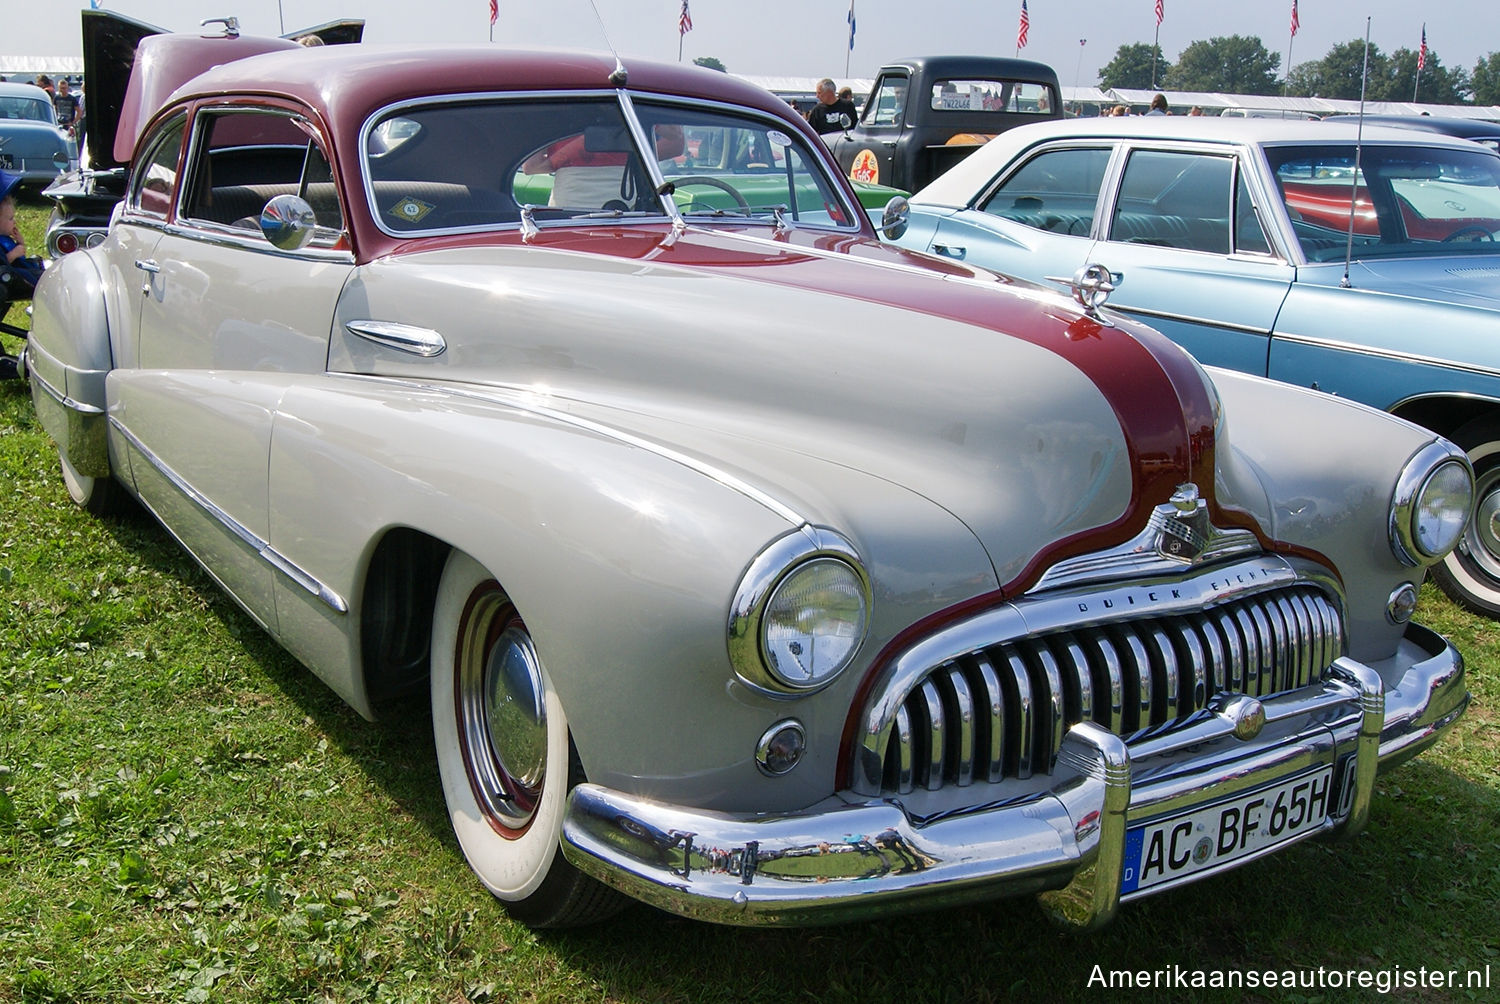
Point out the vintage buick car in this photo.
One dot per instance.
(31, 144)
(757, 569)
(1231, 238)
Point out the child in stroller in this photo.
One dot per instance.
(18, 271)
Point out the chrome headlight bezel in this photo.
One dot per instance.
(1417, 538)
(800, 551)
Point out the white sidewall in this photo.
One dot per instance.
(512, 868)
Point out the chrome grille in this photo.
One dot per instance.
(1001, 711)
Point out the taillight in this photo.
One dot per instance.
(66, 243)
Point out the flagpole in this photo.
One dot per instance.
(1155, 55)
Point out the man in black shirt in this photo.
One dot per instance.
(66, 106)
(831, 114)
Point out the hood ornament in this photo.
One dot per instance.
(1184, 532)
(1090, 285)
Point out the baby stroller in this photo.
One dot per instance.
(17, 282)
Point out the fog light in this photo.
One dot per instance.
(781, 748)
(1402, 604)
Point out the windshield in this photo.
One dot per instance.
(478, 164)
(27, 109)
(1406, 201)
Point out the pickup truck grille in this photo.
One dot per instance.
(1001, 711)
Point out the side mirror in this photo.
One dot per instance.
(288, 222)
(896, 217)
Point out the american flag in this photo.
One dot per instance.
(684, 20)
(1296, 21)
(1422, 52)
(1025, 28)
(494, 12)
(1160, 12)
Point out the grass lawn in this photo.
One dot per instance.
(188, 815)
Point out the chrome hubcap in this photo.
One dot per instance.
(1482, 540)
(501, 710)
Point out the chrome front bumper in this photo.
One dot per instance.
(845, 859)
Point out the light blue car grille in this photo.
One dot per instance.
(1001, 712)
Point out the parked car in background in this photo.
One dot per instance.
(1478, 130)
(755, 568)
(1231, 238)
(925, 115)
(120, 100)
(31, 144)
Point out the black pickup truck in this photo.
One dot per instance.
(925, 115)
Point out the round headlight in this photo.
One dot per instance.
(800, 613)
(1432, 504)
(813, 623)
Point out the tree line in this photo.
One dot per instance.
(1242, 65)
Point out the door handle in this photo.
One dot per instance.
(151, 269)
(950, 251)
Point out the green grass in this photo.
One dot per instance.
(187, 815)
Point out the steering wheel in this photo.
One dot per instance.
(1474, 232)
(724, 186)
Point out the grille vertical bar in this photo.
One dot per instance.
(1002, 711)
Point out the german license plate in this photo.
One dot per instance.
(1173, 849)
(7, 162)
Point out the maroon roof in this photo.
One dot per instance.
(351, 82)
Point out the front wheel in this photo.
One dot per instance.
(1470, 575)
(504, 753)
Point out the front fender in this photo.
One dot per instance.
(1319, 472)
(623, 560)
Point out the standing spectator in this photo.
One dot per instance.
(1159, 105)
(45, 83)
(66, 106)
(831, 114)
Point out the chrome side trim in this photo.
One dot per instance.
(1165, 315)
(523, 399)
(269, 554)
(423, 342)
(72, 404)
(1405, 357)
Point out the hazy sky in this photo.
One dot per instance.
(810, 37)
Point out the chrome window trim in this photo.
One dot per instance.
(625, 97)
(220, 236)
(263, 548)
(131, 202)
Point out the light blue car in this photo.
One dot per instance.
(31, 145)
(1364, 263)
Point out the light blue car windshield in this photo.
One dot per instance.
(1401, 201)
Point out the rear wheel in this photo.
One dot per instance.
(97, 496)
(504, 753)
(1471, 574)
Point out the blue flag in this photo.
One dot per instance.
(851, 25)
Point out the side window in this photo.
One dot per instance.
(1055, 191)
(887, 101)
(156, 177)
(245, 158)
(1249, 235)
(1175, 200)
